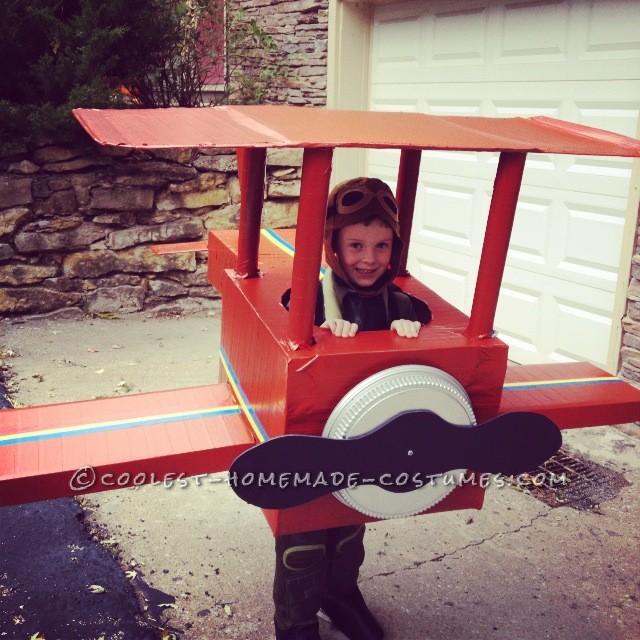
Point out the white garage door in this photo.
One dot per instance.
(578, 61)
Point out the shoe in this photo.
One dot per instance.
(351, 615)
(299, 632)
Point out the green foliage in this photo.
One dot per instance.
(56, 55)
(59, 54)
(255, 63)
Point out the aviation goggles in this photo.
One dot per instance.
(352, 199)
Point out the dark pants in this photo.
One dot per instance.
(313, 563)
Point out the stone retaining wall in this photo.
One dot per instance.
(77, 225)
(630, 353)
(300, 28)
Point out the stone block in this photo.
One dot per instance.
(54, 154)
(156, 217)
(77, 164)
(224, 218)
(631, 340)
(280, 214)
(182, 156)
(93, 264)
(192, 200)
(15, 191)
(166, 171)
(63, 284)
(117, 280)
(59, 202)
(631, 326)
(24, 167)
(190, 279)
(119, 219)
(35, 300)
(40, 187)
(233, 187)
(123, 299)
(82, 236)
(204, 292)
(10, 219)
(284, 157)
(133, 199)
(174, 232)
(633, 292)
(226, 163)
(283, 189)
(6, 252)
(21, 274)
(59, 224)
(164, 289)
(204, 182)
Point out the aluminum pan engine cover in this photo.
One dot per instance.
(379, 398)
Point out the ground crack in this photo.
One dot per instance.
(451, 554)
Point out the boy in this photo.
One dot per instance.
(319, 569)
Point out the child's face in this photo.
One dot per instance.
(364, 251)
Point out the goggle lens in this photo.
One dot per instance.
(353, 200)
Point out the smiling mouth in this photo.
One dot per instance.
(366, 272)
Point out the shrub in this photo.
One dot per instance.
(56, 55)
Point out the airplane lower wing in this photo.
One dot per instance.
(70, 449)
(572, 394)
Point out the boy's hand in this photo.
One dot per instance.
(406, 328)
(341, 328)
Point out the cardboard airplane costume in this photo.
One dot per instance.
(376, 406)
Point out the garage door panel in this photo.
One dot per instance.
(398, 38)
(613, 33)
(526, 109)
(451, 43)
(619, 116)
(582, 331)
(531, 230)
(600, 169)
(454, 283)
(519, 43)
(556, 321)
(525, 304)
(592, 241)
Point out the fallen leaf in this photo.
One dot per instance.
(227, 610)
(92, 350)
(130, 574)
(37, 636)
(96, 588)
(111, 541)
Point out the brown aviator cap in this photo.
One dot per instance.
(354, 201)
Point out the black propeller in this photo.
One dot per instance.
(399, 456)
